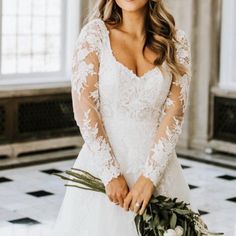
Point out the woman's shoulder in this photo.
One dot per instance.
(183, 47)
(181, 36)
(92, 35)
(92, 28)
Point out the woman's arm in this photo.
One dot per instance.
(166, 136)
(172, 116)
(85, 100)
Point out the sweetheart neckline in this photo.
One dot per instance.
(130, 71)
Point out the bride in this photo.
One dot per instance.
(130, 86)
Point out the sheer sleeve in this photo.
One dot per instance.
(85, 100)
(172, 116)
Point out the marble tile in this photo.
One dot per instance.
(210, 187)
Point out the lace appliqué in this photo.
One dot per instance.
(101, 150)
(172, 117)
(162, 152)
(86, 102)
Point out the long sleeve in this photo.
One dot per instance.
(172, 116)
(85, 100)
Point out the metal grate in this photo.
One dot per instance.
(225, 119)
(2, 120)
(51, 116)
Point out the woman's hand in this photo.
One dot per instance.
(139, 195)
(117, 189)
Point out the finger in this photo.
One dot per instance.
(127, 201)
(125, 193)
(120, 200)
(143, 207)
(115, 200)
(138, 205)
(133, 202)
(110, 198)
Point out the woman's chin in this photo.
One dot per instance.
(131, 5)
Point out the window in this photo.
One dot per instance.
(228, 46)
(34, 39)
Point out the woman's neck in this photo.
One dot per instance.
(134, 22)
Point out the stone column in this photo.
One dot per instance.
(201, 21)
(205, 42)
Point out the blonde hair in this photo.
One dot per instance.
(159, 26)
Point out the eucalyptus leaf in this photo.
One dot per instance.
(173, 221)
(182, 212)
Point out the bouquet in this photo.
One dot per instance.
(163, 216)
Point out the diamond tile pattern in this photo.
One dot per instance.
(203, 212)
(31, 189)
(40, 193)
(51, 171)
(4, 179)
(232, 199)
(227, 177)
(25, 221)
(192, 186)
(185, 166)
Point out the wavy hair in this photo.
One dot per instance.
(159, 26)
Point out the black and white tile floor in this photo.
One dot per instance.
(30, 197)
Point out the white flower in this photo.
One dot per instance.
(170, 232)
(179, 230)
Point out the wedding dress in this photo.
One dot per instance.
(130, 125)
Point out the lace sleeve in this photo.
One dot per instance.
(85, 100)
(172, 116)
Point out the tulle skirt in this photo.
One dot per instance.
(88, 213)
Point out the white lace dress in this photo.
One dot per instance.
(130, 125)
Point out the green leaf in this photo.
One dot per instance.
(185, 227)
(86, 173)
(156, 220)
(182, 212)
(146, 217)
(161, 213)
(173, 221)
(137, 220)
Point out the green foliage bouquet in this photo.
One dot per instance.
(163, 216)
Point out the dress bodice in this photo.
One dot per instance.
(115, 108)
(125, 95)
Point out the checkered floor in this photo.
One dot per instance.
(30, 197)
